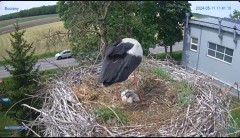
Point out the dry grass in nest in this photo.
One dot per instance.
(157, 108)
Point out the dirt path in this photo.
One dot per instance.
(28, 24)
(13, 20)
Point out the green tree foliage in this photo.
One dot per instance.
(21, 60)
(86, 22)
(236, 15)
(168, 17)
(94, 25)
(24, 73)
(126, 20)
(97, 24)
(43, 10)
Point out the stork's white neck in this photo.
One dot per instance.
(136, 50)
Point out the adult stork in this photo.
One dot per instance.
(121, 59)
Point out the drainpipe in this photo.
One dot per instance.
(219, 28)
(199, 46)
(187, 17)
(185, 36)
(234, 34)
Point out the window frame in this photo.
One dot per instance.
(194, 44)
(223, 53)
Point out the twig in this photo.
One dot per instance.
(31, 130)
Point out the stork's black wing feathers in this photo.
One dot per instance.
(118, 65)
(118, 49)
(112, 47)
(119, 70)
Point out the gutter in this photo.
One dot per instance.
(215, 26)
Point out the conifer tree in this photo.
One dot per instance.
(21, 60)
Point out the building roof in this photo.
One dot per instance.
(211, 22)
(225, 22)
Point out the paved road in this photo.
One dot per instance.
(49, 63)
(160, 49)
(52, 63)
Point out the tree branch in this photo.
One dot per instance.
(106, 10)
(89, 31)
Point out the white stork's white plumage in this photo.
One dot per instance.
(121, 59)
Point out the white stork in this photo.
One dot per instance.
(121, 59)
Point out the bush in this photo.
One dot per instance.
(176, 55)
(2, 63)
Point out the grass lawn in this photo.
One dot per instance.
(36, 35)
(176, 55)
(235, 110)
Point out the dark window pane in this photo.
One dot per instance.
(66, 52)
(195, 40)
(228, 59)
(220, 49)
(219, 55)
(211, 53)
(194, 47)
(229, 51)
(212, 46)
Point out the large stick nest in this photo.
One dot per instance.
(69, 102)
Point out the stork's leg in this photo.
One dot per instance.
(116, 95)
(135, 81)
(138, 92)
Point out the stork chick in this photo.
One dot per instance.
(128, 96)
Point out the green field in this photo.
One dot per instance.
(37, 35)
(21, 20)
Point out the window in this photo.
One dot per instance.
(66, 52)
(220, 52)
(194, 44)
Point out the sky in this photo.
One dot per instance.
(213, 8)
(7, 7)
